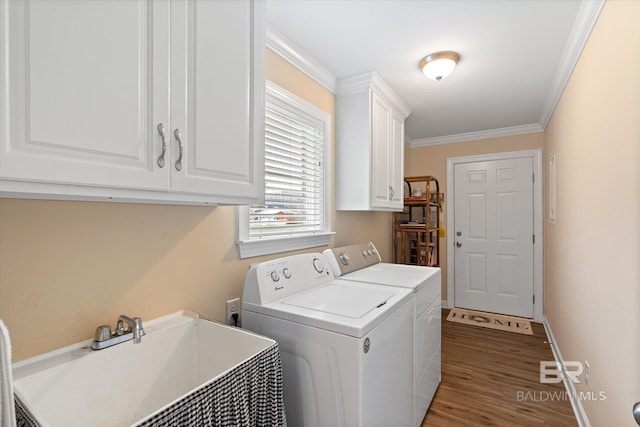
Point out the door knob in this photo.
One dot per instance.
(459, 244)
(636, 412)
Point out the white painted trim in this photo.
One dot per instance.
(268, 246)
(585, 21)
(536, 157)
(576, 404)
(372, 80)
(475, 136)
(300, 59)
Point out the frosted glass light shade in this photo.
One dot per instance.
(439, 65)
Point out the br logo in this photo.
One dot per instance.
(551, 371)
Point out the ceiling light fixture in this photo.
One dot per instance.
(439, 65)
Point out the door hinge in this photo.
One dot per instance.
(533, 177)
(533, 238)
(534, 300)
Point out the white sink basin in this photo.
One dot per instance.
(128, 383)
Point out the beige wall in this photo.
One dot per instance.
(66, 267)
(433, 161)
(592, 253)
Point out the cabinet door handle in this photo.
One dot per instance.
(391, 193)
(161, 130)
(176, 133)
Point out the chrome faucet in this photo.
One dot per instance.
(127, 329)
(135, 326)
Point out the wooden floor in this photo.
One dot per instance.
(492, 377)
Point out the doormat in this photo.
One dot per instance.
(491, 320)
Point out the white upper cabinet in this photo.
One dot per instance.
(81, 94)
(369, 145)
(215, 75)
(132, 100)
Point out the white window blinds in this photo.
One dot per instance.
(294, 175)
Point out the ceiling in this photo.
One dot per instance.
(516, 56)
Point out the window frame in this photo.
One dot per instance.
(266, 245)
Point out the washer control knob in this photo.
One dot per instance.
(364, 253)
(286, 273)
(275, 276)
(344, 258)
(317, 264)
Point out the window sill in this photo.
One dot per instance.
(274, 245)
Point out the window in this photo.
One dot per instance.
(296, 212)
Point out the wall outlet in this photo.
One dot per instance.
(233, 307)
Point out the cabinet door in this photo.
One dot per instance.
(217, 98)
(83, 89)
(396, 160)
(387, 162)
(381, 190)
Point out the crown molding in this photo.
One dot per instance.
(371, 80)
(582, 28)
(585, 21)
(475, 136)
(356, 84)
(300, 59)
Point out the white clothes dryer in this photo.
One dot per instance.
(346, 347)
(362, 263)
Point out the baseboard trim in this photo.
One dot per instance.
(578, 409)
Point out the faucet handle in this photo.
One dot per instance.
(103, 333)
(122, 327)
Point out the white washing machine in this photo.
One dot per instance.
(362, 263)
(346, 347)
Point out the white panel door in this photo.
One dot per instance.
(84, 86)
(217, 78)
(380, 161)
(494, 236)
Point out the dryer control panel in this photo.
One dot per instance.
(279, 278)
(347, 259)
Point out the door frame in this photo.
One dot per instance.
(538, 283)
